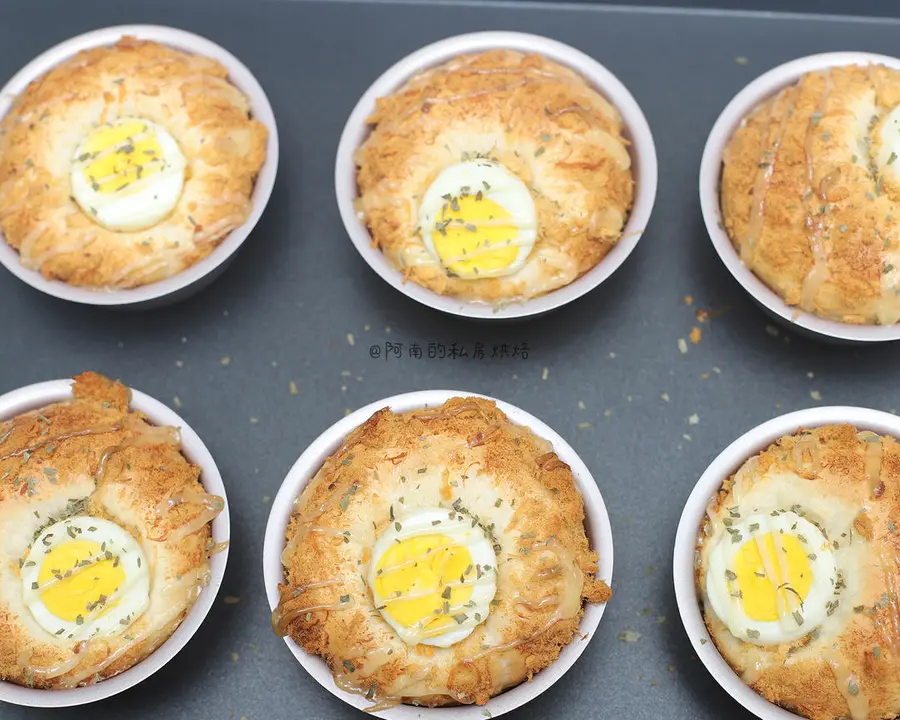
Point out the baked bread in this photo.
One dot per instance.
(809, 193)
(541, 151)
(106, 538)
(797, 573)
(438, 557)
(127, 164)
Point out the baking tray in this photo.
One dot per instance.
(300, 305)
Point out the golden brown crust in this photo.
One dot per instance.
(464, 454)
(848, 481)
(191, 98)
(809, 188)
(94, 454)
(541, 121)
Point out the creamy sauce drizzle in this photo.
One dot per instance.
(815, 216)
(847, 684)
(761, 184)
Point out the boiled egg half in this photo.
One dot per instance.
(433, 576)
(128, 175)
(478, 220)
(85, 577)
(772, 577)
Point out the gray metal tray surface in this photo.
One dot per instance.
(299, 305)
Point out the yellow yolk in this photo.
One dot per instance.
(423, 573)
(73, 596)
(475, 235)
(115, 156)
(761, 593)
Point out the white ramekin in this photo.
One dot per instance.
(728, 461)
(764, 87)
(42, 394)
(202, 273)
(596, 523)
(643, 156)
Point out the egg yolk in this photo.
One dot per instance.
(114, 156)
(87, 577)
(474, 235)
(425, 581)
(768, 581)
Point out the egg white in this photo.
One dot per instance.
(496, 183)
(461, 530)
(816, 605)
(125, 606)
(143, 203)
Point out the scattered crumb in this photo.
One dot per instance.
(234, 656)
(660, 619)
(716, 370)
(688, 300)
(486, 713)
(629, 398)
(682, 346)
(254, 420)
(665, 397)
(703, 641)
(231, 599)
(650, 569)
(694, 419)
(810, 375)
(585, 425)
(184, 339)
(388, 329)
(293, 388)
(612, 355)
(641, 613)
(630, 636)
(347, 411)
(704, 376)
(772, 330)
(266, 498)
(581, 404)
(366, 327)
(224, 313)
(815, 395)
(346, 373)
(696, 335)
(179, 363)
(351, 339)
(741, 60)
(686, 437)
(702, 315)
(274, 363)
(607, 412)
(225, 360)
(515, 376)
(343, 388)
(545, 374)
(176, 402)
(671, 668)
